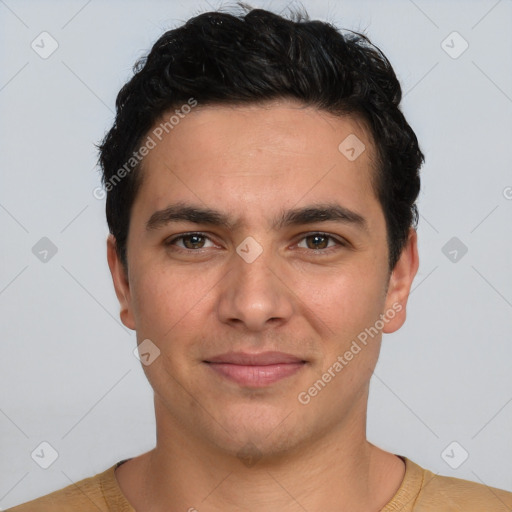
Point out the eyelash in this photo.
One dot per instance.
(318, 252)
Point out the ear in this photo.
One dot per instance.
(121, 283)
(400, 283)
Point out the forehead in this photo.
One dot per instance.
(258, 158)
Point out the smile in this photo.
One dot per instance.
(255, 370)
(256, 376)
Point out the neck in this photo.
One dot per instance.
(339, 471)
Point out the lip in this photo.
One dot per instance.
(256, 359)
(255, 370)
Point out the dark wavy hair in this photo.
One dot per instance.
(247, 56)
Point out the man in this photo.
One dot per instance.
(261, 184)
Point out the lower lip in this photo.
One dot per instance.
(256, 376)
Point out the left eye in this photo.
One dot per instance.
(319, 241)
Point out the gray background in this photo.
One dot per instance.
(68, 374)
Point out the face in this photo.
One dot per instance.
(257, 263)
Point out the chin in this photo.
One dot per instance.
(261, 432)
(252, 447)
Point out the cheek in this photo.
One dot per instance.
(349, 305)
(346, 301)
(164, 297)
(155, 307)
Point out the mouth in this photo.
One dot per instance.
(255, 370)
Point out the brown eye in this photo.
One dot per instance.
(193, 241)
(319, 242)
(190, 241)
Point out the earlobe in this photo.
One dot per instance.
(121, 283)
(400, 284)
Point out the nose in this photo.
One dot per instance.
(254, 296)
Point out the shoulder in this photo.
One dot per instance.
(454, 494)
(83, 496)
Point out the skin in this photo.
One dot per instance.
(253, 162)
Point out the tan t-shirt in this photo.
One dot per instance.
(420, 491)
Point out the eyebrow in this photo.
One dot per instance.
(183, 212)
